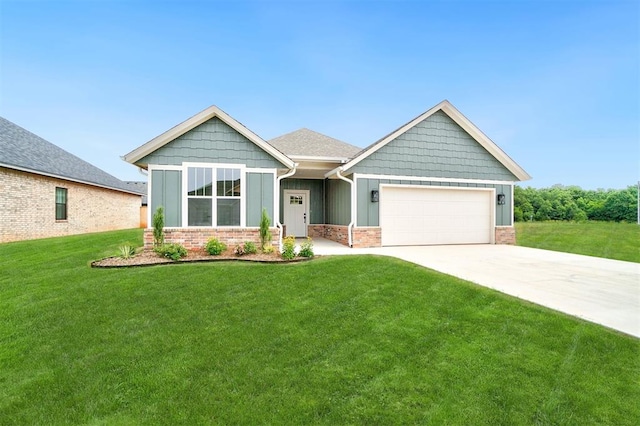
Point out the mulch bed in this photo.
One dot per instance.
(150, 258)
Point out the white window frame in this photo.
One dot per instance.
(214, 209)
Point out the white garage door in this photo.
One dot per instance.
(427, 216)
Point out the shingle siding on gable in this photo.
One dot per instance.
(212, 142)
(436, 147)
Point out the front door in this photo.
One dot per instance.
(296, 212)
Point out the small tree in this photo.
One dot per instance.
(265, 234)
(158, 228)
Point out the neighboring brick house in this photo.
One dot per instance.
(435, 180)
(47, 192)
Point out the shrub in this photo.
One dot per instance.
(240, 250)
(172, 251)
(289, 247)
(215, 246)
(250, 248)
(158, 227)
(306, 248)
(127, 251)
(268, 249)
(265, 234)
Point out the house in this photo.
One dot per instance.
(435, 180)
(48, 192)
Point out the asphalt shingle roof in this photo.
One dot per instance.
(24, 150)
(306, 142)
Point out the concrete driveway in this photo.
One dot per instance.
(599, 290)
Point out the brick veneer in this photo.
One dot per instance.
(195, 238)
(361, 238)
(370, 236)
(505, 235)
(27, 207)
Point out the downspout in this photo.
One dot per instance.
(353, 206)
(278, 224)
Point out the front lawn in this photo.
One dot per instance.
(620, 241)
(340, 340)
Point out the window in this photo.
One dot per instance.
(295, 199)
(201, 200)
(61, 203)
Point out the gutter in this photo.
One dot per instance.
(277, 218)
(350, 227)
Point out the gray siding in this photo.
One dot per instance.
(368, 212)
(212, 142)
(259, 195)
(166, 191)
(338, 202)
(436, 147)
(316, 195)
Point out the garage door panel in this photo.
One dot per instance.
(423, 216)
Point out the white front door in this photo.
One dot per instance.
(296, 212)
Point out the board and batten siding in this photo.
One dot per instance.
(436, 147)
(213, 141)
(316, 195)
(369, 213)
(259, 189)
(338, 202)
(166, 191)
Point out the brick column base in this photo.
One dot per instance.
(506, 235)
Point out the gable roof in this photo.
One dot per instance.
(305, 143)
(462, 121)
(25, 151)
(196, 120)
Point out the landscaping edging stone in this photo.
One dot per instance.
(147, 258)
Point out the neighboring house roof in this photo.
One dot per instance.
(305, 143)
(446, 107)
(140, 187)
(25, 151)
(196, 120)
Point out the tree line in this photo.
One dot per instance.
(575, 204)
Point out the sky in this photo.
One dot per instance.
(555, 84)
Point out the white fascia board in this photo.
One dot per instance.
(463, 122)
(68, 179)
(196, 120)
(432, 179)
(319, 159)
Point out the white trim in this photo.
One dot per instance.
(276, 208)
(258, 170)
(196, 120)
(446, 107)
(431, 179)
(153, 167)
(492, 204)
(307, 203)
(319, 159)
(68, 179)
(354, 205)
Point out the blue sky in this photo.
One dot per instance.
(556, 84)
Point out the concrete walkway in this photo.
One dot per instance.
(599, 290)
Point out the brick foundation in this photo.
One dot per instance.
(370, 236)
(195, 238)
(506, 235)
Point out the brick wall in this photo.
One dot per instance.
(195, 238)
(506, 235)
(369, 236)
(27, 207)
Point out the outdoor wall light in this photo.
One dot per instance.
(501, 199)
(375, 196)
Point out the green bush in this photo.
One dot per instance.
(127, 251)
(288, 247)
(306, 248)
(265, 234)
(268, 249)
(158, 227)
(215, 246)
(250, 248)
(172, 251)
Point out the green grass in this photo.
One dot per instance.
(342, 340)
(620, 241)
